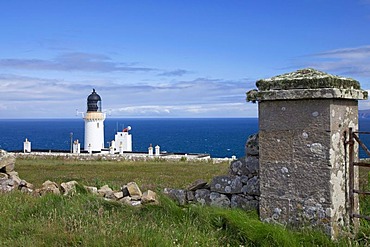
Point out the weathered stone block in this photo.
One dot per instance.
(226, 184)
(282, 115)
(48, 187)
(219, 200)
(149, 197)
(244, 202)
(134, 189)
(118, 195)
(198, 184)
(202, 196)
(295, 181)
(69, 188)
(252, 187)
(247, 166)
(252, 146)
(7, 161)
(190, 195)
(178, 195)
(105, 190)
(311, 145)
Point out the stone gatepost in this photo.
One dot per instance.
(303, 119)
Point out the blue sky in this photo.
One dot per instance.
(170, 58)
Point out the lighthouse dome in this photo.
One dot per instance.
(93, 102)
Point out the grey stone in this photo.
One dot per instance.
(226, 184)
(252, 187)
(219, 200)
(247, 166)
(177, 195)
(6, 185)
(190, 195)
(198, 184)
(252, 145)
(3, 176)
(244, 202)
(202, 197)
(244, 179)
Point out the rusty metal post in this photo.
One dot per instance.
(351, 174)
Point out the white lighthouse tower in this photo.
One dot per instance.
(94, 124)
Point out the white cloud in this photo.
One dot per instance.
(353, 62)
(32, 97)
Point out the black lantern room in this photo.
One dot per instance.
(94, 102)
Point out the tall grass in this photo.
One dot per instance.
(86, 220)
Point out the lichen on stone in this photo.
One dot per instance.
(306, 79)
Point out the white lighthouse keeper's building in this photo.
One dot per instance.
(94, 124)
(123, 140)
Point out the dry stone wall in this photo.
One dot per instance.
(237, 189)
(129, 194)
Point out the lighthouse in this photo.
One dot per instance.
(94, 124)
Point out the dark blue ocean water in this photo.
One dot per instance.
(220, 137)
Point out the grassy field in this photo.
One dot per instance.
(85, 220)
(154, 175)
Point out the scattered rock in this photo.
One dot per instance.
(69, 188)
(133, 189)
(48, 187)
(149, 197)
(118, 195)
(105, 190)
(92, 190)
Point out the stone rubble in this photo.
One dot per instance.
(238, 189)
(9, 179)
(130, 194)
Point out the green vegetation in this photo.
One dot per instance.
(86, 220)
(154, 175)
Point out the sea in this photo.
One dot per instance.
(219, 137)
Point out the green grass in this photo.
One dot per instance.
(86, 220)
(154, 175)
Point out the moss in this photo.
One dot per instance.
(306, 79)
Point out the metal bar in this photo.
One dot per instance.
(361, 192)
(361, 144)
(361, 132)
(351, 174)
(363, 164)
(361, 216)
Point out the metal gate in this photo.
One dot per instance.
(353, 138)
